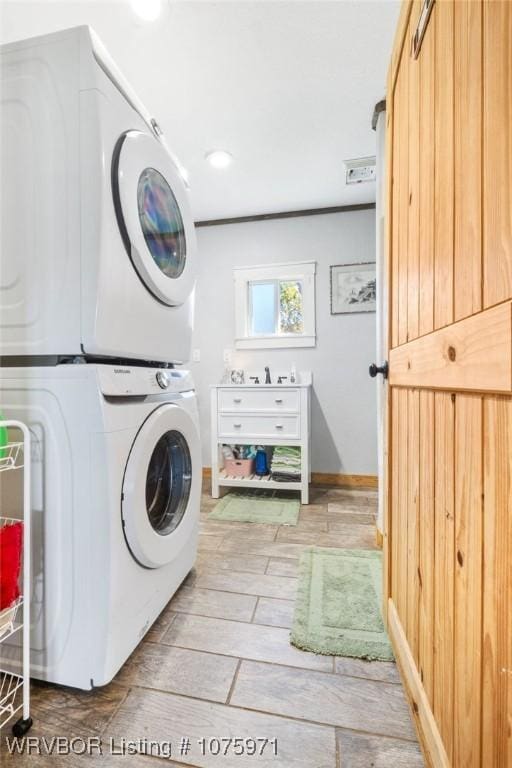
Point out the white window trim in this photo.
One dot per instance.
(296, 270)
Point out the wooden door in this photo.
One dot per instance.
(448, 531)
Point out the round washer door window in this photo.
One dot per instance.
(161, 487)
(168, 482)
(154, 217)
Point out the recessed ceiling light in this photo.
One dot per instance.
(219, 158)
(149, 10)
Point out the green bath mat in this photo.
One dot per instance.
(248, 508)
(337, 611)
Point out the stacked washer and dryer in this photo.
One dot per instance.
(97, 273)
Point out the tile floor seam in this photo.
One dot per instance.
(221, 591)
(116, 709)
(293, 578)
(254, 611)
(233, 682)
(248, 709)
(259, 661)
(278, 714)
(286, 666)
(249, 594)
(238, 594)
(384, 735)
(190, 696)
(211, 568)
(246, 594)
(249, 623)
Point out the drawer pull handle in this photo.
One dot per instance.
(237, 426)
(237, 399)
(279, 426)
(279, 399)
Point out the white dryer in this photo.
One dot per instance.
(116, 492)
(98, 247)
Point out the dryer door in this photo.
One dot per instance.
(161, 488)
(154, 217)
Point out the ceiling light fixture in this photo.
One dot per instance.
(149, 10)
(219, 158)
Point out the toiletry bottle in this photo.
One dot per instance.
(293, 374)
(261, 461)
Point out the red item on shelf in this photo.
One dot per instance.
(11, 541)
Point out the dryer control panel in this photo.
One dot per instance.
(132, 381)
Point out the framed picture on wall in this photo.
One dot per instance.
(353, 288)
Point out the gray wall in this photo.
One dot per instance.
(343, 397)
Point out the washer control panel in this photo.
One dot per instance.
(126, 381)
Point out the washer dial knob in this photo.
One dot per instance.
(162, 379)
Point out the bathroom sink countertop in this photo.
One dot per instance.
(263, 386)
(304, 379)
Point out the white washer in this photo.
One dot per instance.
(116, 493)
(98, 247)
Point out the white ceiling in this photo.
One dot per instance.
(287, 87)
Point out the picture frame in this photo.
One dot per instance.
(353, 288)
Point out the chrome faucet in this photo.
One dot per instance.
(267, 375)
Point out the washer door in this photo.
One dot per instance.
(154, 217)
(160, 500)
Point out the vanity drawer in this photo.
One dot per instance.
(279, 400)
(252, 426)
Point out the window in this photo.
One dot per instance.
(275, 306)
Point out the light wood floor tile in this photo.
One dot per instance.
(241, 530)
(248, 641)
(314, 518)
(386, 671)
(248, 576)
(312, 510)
(368, 494)
(274, 613)
(178, 670)
(355, 518)
(161, 625)
(210, 602)
(163, 716)
(241, 563)
(209, 542)
(283, 566)
(364, 531)
(317, 495)
(358, 750)
(352, 508)
(361, 536)
(347, 702)
(309, 524)
(249, 584)
(69, 708)
(265, 548)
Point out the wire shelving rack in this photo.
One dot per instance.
(15, 618)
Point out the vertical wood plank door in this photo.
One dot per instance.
(448, 526)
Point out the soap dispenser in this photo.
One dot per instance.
(293, 374)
